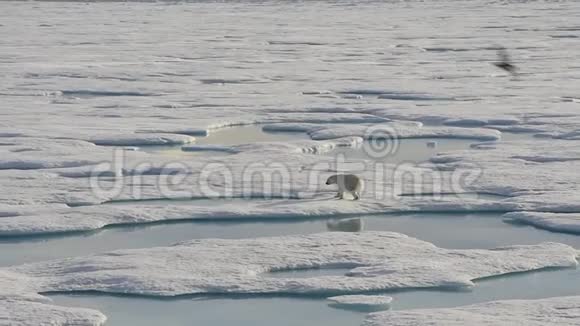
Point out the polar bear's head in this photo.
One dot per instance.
(333, 179)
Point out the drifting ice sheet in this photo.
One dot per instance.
(30, 313)
(378, 261)
(557, 222)
(558, 311)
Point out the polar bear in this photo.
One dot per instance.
(346, 183)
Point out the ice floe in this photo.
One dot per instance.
(20, 305)
(378, 261)
(551, 311)
(40, 153)
(271, 206)
(495, 167)
(557, 222)
(18, 210)
(69, 90)
(302, 195)
(30, 313)
(537, 171)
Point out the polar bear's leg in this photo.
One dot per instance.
(339, 195)
(356, 195)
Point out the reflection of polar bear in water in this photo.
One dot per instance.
(345, 225)
(346, 183)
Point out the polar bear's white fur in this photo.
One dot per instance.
(346, 183)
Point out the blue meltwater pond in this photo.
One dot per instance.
(227, 136)
(461, 231)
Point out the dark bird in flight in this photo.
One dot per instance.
(505, 62)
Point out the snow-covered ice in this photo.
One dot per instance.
(71, 98)
(93, 217)
(377, 261)
(506, 167)
(551, 311)
(536, 171)
(557, 222)
(21, 305)
(552, 189)
(30, 313)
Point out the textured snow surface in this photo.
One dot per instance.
(494, 168)
(300, 193)
(365, 303)
(142, 88)
(377, 261)
(374, 260)
(551, 311)
(86, 218)
(71, 97)
(535, 175)
(20, 305)
(537, 172)
(29, 313)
